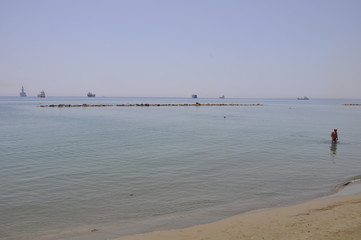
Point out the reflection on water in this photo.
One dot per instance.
(333, 148)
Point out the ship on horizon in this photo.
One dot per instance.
(22, 93)
(303, 98)
(90, 94)
(41, 94)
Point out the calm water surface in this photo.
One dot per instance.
(124, 170)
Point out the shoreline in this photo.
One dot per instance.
(333, 217)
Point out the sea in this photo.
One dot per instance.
(99, 173)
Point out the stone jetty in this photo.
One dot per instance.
(352, 104)
(152, 105)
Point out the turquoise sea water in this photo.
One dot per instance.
(125, 170)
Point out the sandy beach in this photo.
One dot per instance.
(330, 218)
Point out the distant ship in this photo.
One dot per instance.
(91, 94)
(41, 94)
(222, 96)
(22, 93)
(194, 96)
(303, 98)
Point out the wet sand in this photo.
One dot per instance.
(331, 218)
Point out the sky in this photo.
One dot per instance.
(176, 48)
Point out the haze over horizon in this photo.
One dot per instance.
(160, 48)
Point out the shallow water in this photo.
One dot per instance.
(126, 170)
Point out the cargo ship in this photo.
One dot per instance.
(41, 94)
(22, 93)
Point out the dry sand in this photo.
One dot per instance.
(331, 219)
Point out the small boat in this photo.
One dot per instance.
(222, 97)
(22, 93)
(194, 96)
(91, 94)
(41, 94)
(303, 98)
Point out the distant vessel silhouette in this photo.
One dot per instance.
(303, 98)
(91, 94)
(222, 96)
(194, 96)
(41, 94)
(22, 93)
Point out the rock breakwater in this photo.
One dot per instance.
(151, 105)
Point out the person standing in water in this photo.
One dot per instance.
(334, 136)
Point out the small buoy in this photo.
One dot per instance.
(224, 116)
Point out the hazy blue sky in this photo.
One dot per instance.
(176, 48)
